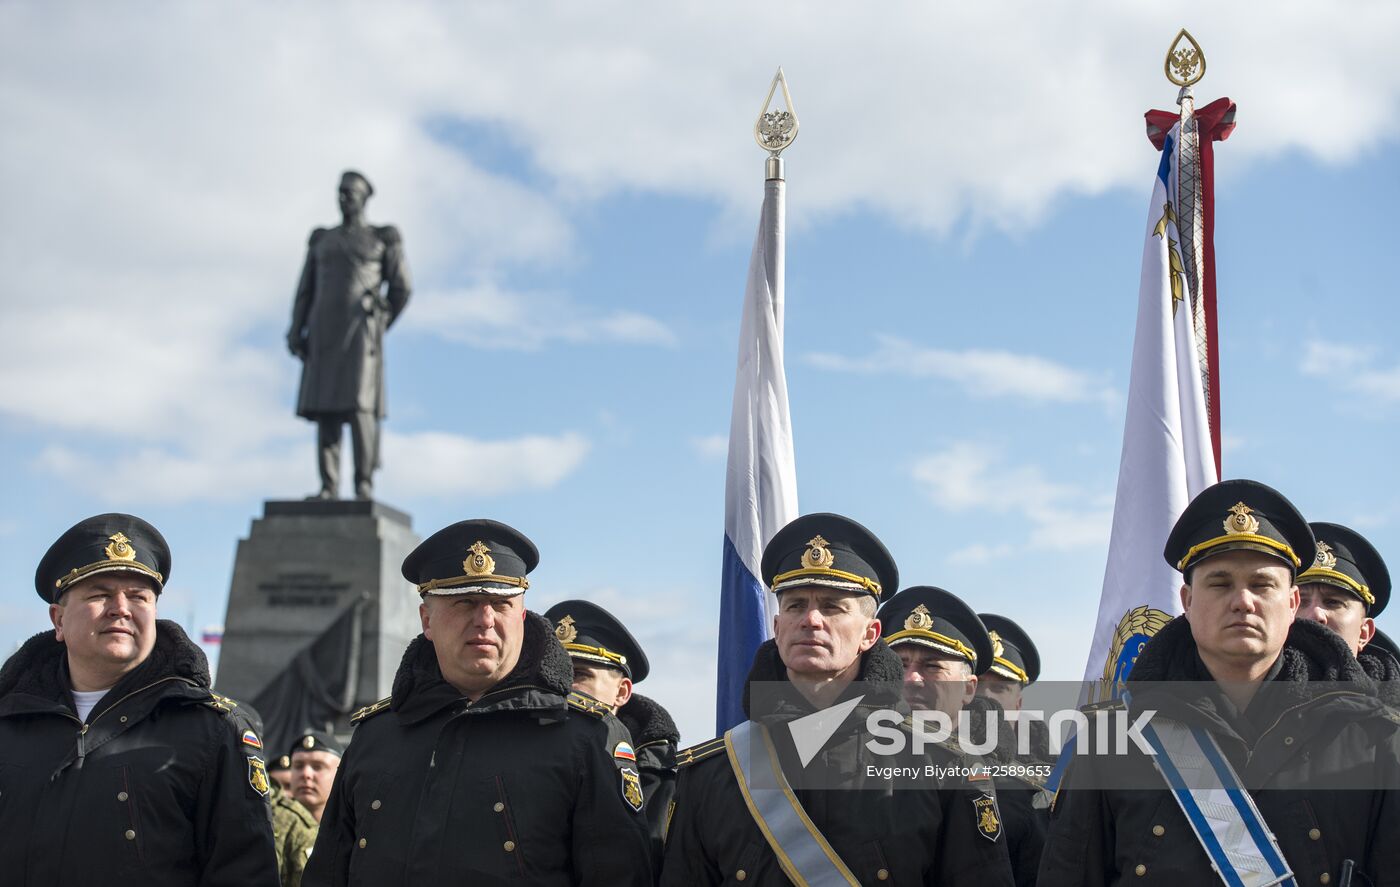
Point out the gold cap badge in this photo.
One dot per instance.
(818, 556)
(1326, 558)
(565, 630)
(479, 563)
(919, 620)
(1241, 521)
(120, 549)
(997, 648)
(308, 742)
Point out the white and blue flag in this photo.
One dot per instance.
(1167, 456)
(760, 488)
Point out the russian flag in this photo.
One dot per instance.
(212, 634)
(760, 488)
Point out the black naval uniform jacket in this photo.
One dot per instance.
(1288, 741)
(926, 834)
(158, 787)
(517, 787)
(654, 738)
(1025, 822)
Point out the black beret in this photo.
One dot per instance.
(931, 617)
(1014, 654)
(1345, 559)
(593, 635)
(281, 762)
(830, 551)
(472, 557)
(1236, 515)
(316, 740)
(104, 543)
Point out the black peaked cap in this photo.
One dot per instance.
(1345, 559)
(1012, 649)
(317, 740)
(932, 617)
(593, 635)
(1236, 515)
(103, 543)
(472, 557)
(829, 551)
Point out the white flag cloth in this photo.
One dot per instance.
(760, 487)
(1167, 457)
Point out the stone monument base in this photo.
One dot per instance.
(302, 566)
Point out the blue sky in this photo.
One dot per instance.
(966, 206)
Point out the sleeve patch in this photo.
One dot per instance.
(988, 817)
(251, 739)
(631, 788)
(624, 752)
(257, 776)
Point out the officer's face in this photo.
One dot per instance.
(934, 681)
(1005, 692)
(1339, 610)
(313, 772)
(1240, 605)
(822, 632)
(477, 637)
(108, 622)
(607, 685)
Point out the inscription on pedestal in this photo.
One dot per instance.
(303, 590)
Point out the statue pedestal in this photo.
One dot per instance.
(303, 564)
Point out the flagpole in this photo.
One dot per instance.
(1184, 66)
(760, 489)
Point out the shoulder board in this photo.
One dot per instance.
(697, 753)
(221, 703)
(316, 235)
(389, 234)
(588, 705)
(370, 711)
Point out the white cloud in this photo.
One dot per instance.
(982, 373)
(165, 163)
(430, 463)
(711, 447)
(487, 316)
(968, 477)
(1353, 367)
(419, 465)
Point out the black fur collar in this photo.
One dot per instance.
(1311, 653)
(40, 667)
(543, 663)
(1382, 668)
(647, 721)
(881, 676)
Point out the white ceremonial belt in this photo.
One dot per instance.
(1236, 839)
(803, 852)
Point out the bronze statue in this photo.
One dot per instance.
(353, 287)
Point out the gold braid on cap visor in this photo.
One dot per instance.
(1009, 669)
(1282, 547)
(953, 644)
(864, 582)
(1332, 577)
(519, 582)
(602, 652)
(106, 567)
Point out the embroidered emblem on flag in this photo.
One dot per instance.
(988, 817)
(631, 788)
(257, 776)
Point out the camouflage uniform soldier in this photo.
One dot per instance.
(294, 832)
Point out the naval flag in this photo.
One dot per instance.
(760, 488)
(1168, 455)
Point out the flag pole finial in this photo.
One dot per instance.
(1185, 64)
(775, 128)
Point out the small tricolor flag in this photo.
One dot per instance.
(212, 634)
(251, 739)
